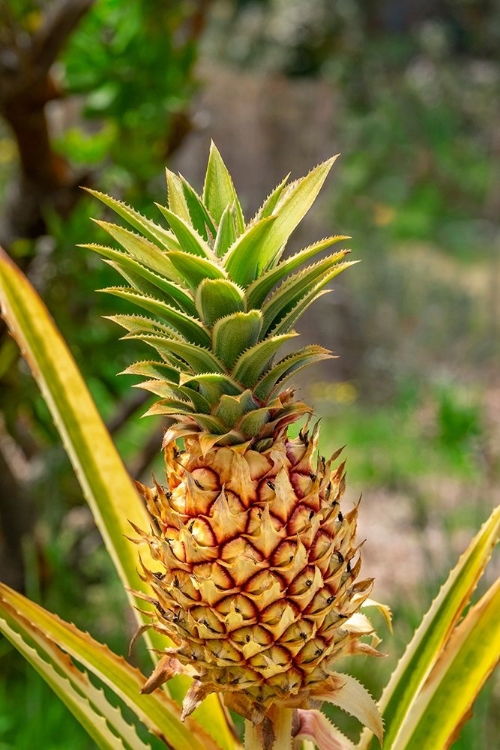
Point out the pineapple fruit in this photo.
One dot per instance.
(256, 566)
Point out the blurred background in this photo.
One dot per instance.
(105, 94)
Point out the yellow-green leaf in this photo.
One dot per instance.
(434, 632)
(445, 701)
(159, 714)
(88, 704)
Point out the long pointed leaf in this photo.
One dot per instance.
(88, 705)
(141, 249)
(197, 357)
(170, 289)
(287, 366)
(104, 480)
(226, 233)
(429, 640)
(218, 190)
(294, 205)
(200, 216)
(148, 228)
(271, 201)
(255, 361)
(159, 713)
(258, 291)
(298, 287)
(246, 258)
(187, 326)
(194, 269)
(189, 239)
(444, 703)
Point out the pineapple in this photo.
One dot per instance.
(256, 566)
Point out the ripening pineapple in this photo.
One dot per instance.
(256, 569)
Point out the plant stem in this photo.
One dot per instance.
(283, 727)
(255, 735)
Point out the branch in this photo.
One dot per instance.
(125, 410)
(60, 22)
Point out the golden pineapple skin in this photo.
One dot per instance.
(256, 570)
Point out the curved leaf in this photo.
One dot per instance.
(216, 298)
(428, 643)
(160, 714)
(235, 334)
(141, 249)
(146, 227)
(260, 288)
(197, 357)
(285, 368)
(194, 269)
(88, 705)
(124, 263)
(200, 216)
(255, 361)
(246, 257)
(445, 701)
(293, 205)
(189, 239)
(226, 233)
(186, 325)
(299, 286)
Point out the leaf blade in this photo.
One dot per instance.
(159, 713)
(445, 701)
(426, 645)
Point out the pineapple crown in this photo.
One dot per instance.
(223, 301)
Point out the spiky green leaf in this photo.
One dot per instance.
(226, 233)
(234, 334)
(260, 288)
(200, 216)
(187, 326)
(430, 639)
(246, 258)
(137, 324)
(196, 357)
(445, 702)
(195, 269)
(271, 201)
(142, 250)
(189, 239)
(160, 236)
(286, 367)
(216, 298)
(136, 271)
(298, 287)
(158, 713)
(172, 391)
(295, 202)
(255, 361)
(213, 385)
(218, 190)
(176, 199)
(153, 370)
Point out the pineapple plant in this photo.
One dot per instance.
(246, 561)
(256, 568)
